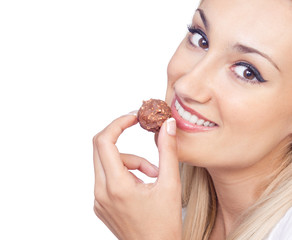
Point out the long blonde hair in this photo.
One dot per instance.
(199, 199)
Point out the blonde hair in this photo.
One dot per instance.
(199, 199)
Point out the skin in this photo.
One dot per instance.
(131, 209)
(255, 120)
(254, 124)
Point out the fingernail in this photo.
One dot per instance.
(171, 126)
(133, 113)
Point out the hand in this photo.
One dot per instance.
(131, 209)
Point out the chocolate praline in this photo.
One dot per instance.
(152, 114)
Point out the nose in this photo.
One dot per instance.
(195, 85)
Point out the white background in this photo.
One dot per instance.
(68, 68)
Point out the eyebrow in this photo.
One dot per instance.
(203, 17)
(245, 49)
(238, 47)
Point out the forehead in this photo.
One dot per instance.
(251, 15)
(261, 24)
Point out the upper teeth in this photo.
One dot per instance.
(192, 118)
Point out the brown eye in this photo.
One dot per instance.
(244, 72)
(203, 43)
(198, 40)
(248, 74)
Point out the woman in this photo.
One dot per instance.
(229, 87)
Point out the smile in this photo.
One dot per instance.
(191, 117)
(189, 120)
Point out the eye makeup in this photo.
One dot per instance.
(194, 30)
(250, 70)
(203, 43)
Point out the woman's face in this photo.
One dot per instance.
(234, 70)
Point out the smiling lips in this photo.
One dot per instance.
(190, 120)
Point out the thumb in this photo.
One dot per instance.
(168, 161)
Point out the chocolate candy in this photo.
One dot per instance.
(152, 114)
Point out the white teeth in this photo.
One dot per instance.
(186, 116)
(181, 111)
(206, 124)
(200, 122)
(211, 124)
(177, 104)
(192, 118)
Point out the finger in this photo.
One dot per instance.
(108, 152)
(134, 162)
(156, 139)
(98, 169)
(136, 179)
(168, 161)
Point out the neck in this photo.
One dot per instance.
(235, 195)
(239, 189)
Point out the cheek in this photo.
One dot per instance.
(175, 68)
(254, 116)
(240, 141)
(251, 124)
(182, 62)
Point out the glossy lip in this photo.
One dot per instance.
(185, 125)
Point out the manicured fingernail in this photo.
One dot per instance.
(134, 113)
(171, 126)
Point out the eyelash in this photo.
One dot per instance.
(251, 68)
(194, 30)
